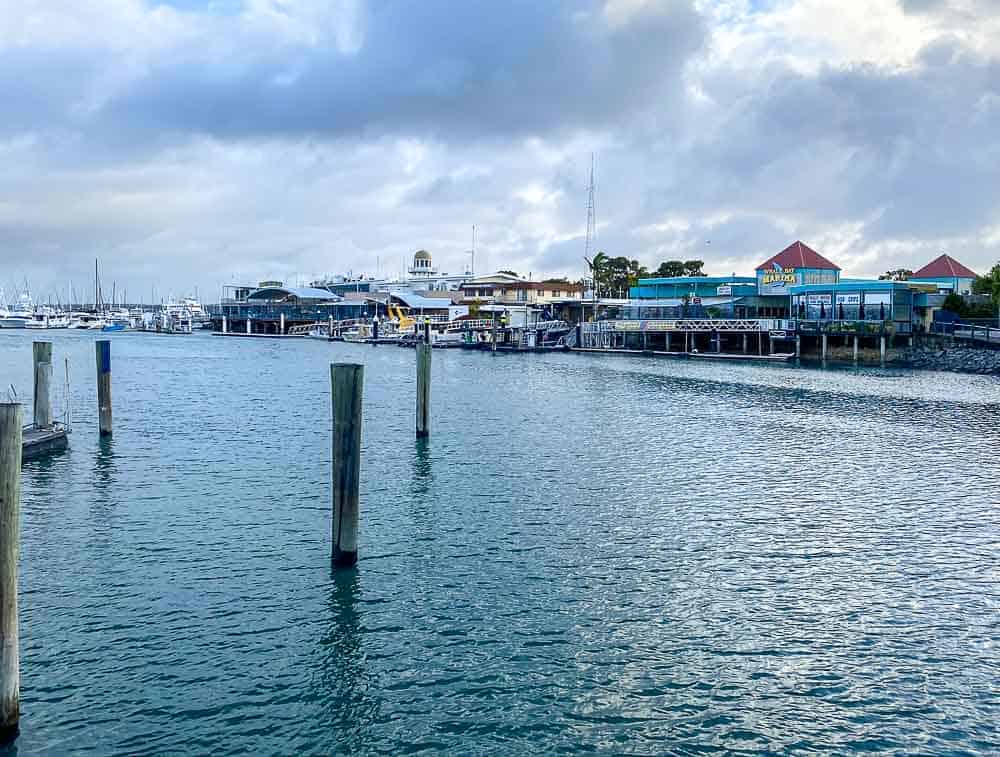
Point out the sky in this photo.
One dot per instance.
(188, 145)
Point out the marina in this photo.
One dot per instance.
(193, 588)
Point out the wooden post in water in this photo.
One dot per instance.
(423, 390)
(282, 324)
(346, 386)
(855, 348)
(824, 348)
(42, 355)
(881, 349)
(10, 531)
(104, 386)
(744, 343)
(798, 346)
(225, 325)
(666, 342)
(248, 325)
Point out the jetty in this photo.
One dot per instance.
(37, 442)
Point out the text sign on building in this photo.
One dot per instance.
(723, 290)
(778, 277)
(849, 299)
(819, 299)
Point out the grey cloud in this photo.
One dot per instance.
(432, 68)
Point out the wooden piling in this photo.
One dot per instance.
(282, 331)
(881, 349)
(10, 507)
(855, 349)
(824, 348)
(248, 325)
(798, 346)
(744, 343)
(423, 390)
(346, 387)
(666, 342)
(225, 325)
(103, 351)
(42, 355)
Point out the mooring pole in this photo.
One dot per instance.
(282, 324)
(104, 386)
(881, 350)
(423, 390)
(225, 325)
(248, 325)
(42, 354)
(798, 346)
(346, 386)
(10, 508)
(824, 348)
(855, 348)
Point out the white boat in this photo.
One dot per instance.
(48, 318)
(187, 309)
(19, 314)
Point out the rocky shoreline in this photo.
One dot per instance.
(958, 359)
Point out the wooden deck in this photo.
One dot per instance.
(36, 442)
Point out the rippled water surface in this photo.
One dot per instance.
(591, 554)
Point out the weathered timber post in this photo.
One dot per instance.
(103, 352)
(42, 355)
(346, 386)
(855, 348)
(282, 331)
(10, 509)
(687, 344)
(881, 349)
(760, 342)
(798, 346)
(666, 342)
(423, 390)
(744, 343)
(824, 348)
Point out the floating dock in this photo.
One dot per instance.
(36, 442)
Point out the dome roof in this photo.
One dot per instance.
(422, 255)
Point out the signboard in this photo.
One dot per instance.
(778, 335)
(777, 277)
(819, 299)
(849, 299)
(877, 298)
(724, 290)
(696, 300)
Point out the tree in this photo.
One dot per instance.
(620, 273)
(693, 268)
(510, 273)
(954, 303)
(989, 284)
(556, 280)
(597, 271)
(670, 268)
(898, 274)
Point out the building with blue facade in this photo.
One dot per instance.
(947, 273)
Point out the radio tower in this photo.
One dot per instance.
(591, 213)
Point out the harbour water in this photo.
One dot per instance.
(589, 554)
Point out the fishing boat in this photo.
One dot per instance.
(188, 309)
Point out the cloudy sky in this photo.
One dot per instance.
(193, 143)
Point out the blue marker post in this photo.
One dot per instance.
(104, 386)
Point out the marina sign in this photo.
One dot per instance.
(819, 299)
(849, 299)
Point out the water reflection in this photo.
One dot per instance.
(347, 688)
(105, 474)
(423, 471)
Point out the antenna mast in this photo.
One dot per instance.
(591, 213)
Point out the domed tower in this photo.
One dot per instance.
(422, 265)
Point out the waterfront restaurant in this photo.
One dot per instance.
(273, 308)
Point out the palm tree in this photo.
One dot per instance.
(596, 265)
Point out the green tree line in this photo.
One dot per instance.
(614, 276)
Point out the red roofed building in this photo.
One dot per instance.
(948, 272)
(796, 264)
